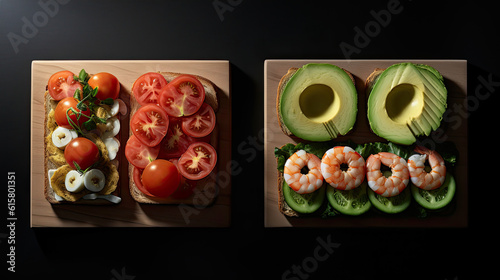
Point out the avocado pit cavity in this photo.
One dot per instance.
(318, 103)
(404, 102)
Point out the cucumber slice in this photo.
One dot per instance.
(304, 203)
(391, 205)
(438, 198)
(354, 202)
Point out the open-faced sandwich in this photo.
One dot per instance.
(173, 139)
(318, 102)
(82, 125)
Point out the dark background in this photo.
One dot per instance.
(246, 33)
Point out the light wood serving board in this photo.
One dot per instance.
(455, 76)
(129, 213)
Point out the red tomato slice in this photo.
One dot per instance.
(198, 161)
(183, 96)
(107, 84)
(138, 181)
(186, 187)
(176, 142)
(138, 154)
(146, 88)
(62, 84)
(201, 123)
(149, 124)
(81, 151)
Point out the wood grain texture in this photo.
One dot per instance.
(129, 213)
(455, 76)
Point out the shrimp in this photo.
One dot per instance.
(419, 177)
(335, 176)
(303, 183)
(392, 185)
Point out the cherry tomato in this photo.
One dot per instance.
(160, 178)
(138, 154)
(146, 88)
(176, 141)
(198, 161)
(62, 84)
(108, 85)
(183, 96)
(61, 109)
(138, 181)
(201, 123)
(149, 124)
(82, 151)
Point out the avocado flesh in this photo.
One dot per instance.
(319, 102)
(407, 100)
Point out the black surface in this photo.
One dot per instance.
(247, 33)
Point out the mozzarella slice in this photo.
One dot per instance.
(112, 145)
(62, 136)
(118, 106)
(74, 181)
(115, 108)
(94, 180)
(111, 128)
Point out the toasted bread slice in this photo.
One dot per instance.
(205, 192)
(372, 79)
(54, 160)
(281, 86)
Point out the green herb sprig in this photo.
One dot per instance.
(86, 100)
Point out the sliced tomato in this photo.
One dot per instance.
(61, 113)
(201, 123)
(138, 181)
(62, 84)
(146, 88)
(149, 124)
(176, 142)
(183, 96)
(186, 187)
(107, 84)
(198, 161)
(138, 154)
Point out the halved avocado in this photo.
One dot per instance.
(319, 102)
(406, 100)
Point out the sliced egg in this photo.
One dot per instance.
(94, 180)
(112, 145)
(74, 181)
(62, 136)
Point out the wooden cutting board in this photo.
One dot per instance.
(129, 213)
(455, 130)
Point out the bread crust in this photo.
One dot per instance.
(372, 79)
(206, 190)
